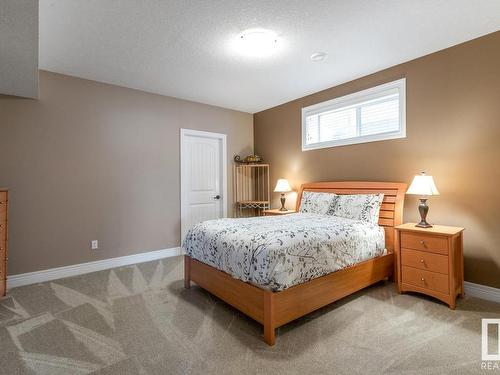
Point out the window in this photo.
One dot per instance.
(375, 114)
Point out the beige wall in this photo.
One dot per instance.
(453, 133)
(95, 161)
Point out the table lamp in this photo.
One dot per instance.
(282, 186)
(424, 186)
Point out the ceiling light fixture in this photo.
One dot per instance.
(318, 56)
(257, 43)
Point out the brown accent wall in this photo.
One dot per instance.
(453, 133)
(95, 161)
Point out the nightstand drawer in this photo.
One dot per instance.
(425, 279)
(422, 242)
(424, 260)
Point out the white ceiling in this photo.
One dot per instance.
(180, 47)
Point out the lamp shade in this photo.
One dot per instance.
(423, 185)
(282, 186)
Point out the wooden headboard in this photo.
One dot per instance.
(391, 212)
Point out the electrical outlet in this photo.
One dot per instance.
(95, 244)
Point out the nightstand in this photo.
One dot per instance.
(277, 212)
(430, 261)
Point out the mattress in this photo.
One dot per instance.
(277, 252)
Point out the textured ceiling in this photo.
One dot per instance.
(182, 48)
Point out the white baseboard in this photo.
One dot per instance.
(79, 269)
(482, 291)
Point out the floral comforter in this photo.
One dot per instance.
(277, 252)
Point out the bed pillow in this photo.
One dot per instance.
(365, 207)
(317, 203)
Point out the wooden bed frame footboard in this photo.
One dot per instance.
(274, 309)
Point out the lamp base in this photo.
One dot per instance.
(423, 225)
(423, 209)
(283, 199)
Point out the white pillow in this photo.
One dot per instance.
(317, 203)
(365, 207)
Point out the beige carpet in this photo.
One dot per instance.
(140, 320)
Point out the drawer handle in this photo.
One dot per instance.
(422, 260)
(422, 279)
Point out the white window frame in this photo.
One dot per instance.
(353, 99)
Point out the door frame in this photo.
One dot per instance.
(223, 138)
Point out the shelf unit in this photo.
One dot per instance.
(251, 186)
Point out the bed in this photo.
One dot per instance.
(278, 268)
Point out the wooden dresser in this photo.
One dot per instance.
(430, 261)
(4, 198)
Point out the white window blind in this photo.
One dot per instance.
(366, 116)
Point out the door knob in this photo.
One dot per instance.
(217, 196)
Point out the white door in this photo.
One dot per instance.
(203, 177)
